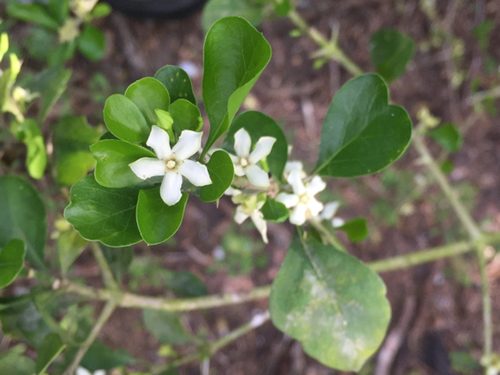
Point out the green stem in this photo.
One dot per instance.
(107, 274)
(330, 48)
(327, 235)
(103, 318)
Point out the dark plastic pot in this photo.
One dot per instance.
(156, 8)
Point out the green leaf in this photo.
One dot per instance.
(69, 247)
(101, 357)
(51, 347)
(50, 83)
(165, 326)
(101, 10)
(113, 159)
(149, 94)
(156, 220)
(390, 52)
(282, 7)
(177, 82)
(39, 42)
(13, 361)
(11, 261)
(330, 302)
(102, 214)
(356, 229)
(217, 9)
(36, 159)
(23, 217)
(61, 53)
(72, 140)
(119, 260)
(186, 116)
(482, 33)
(221, 170)
(4, 45)
(124, 119)
(227, 81)
(36, 13)
(464, 362)
(447, 136)
(258, 125)
(362, 133)
(91, 43)
(186, 285)
(275, 212)
(59, 9)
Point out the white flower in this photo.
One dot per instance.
(245, 163)
(329, 212)
(249, 206)
(172, 163)
(82, 371)
(292, 166)
(302, 200)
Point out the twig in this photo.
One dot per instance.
(107, 275)
(105, 314)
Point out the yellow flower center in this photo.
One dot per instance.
(243, 162)
(171, 164)
(304, 198)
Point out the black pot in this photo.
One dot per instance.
(156, 8)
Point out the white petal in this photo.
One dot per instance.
(257, 176)
(238, 170)
(148, 167)
(289, 200)
(239, 216)
(337, 222)
(189, 144)
(330, 210)
(262, 149)
(195, 172)
(170, 189)
(298, 216)
(159, 141)
(260, 224)
(234, 159)
(231, 191)
(314, 206)
(242, 143)
(292, 165)
(315, 186)
(82, 371)
(100, 372)
(295, 180)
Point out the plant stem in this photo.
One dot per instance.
(256, 322)
(107, 274)
(329, 47)
(327, 235)
(109, 307)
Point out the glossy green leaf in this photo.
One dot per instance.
(235, 54)
(69, 247)
(61, 53)
(275, 212)
(356, 229)
(330, 302)
(447, 136)
(101, 10)
(216, 9)
(119, 260)
(72, 140)
(51, 347)
(59, 9)
(13, 361)
(23, 217)
(186, 285)
(101, 357)
(103, 214)
(165, 326)
(50, 83)
(156, 220)
(221, 170)
(149, 94)
(258, 125)
(177, 82)
(36, 13)
(124, 119)
(11, 261)
(113, 159)
(36, 158)
(390, 52)
(186, 116)
(91, 43)
(362, 133)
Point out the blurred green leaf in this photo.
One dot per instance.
(61, 53)
(69, 247)
(166, 327)
(221, 170)
(482, 33)
(186, 285)
(11, 261)
(40, 42)
(50, 348)
(72, 140)
(275, 212)
(177, 82)
(119, 260)
(356, 229)
(101, 357)
(91, 43)
(23, 217)
(13, 361)
(282, 7)
(330, 302)
(36, 13)
(36, 159)
(59, 9)
(217, 9)
(464, 363)
(4, 45)
(390, 52)
(101, 10)
(447, 136)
